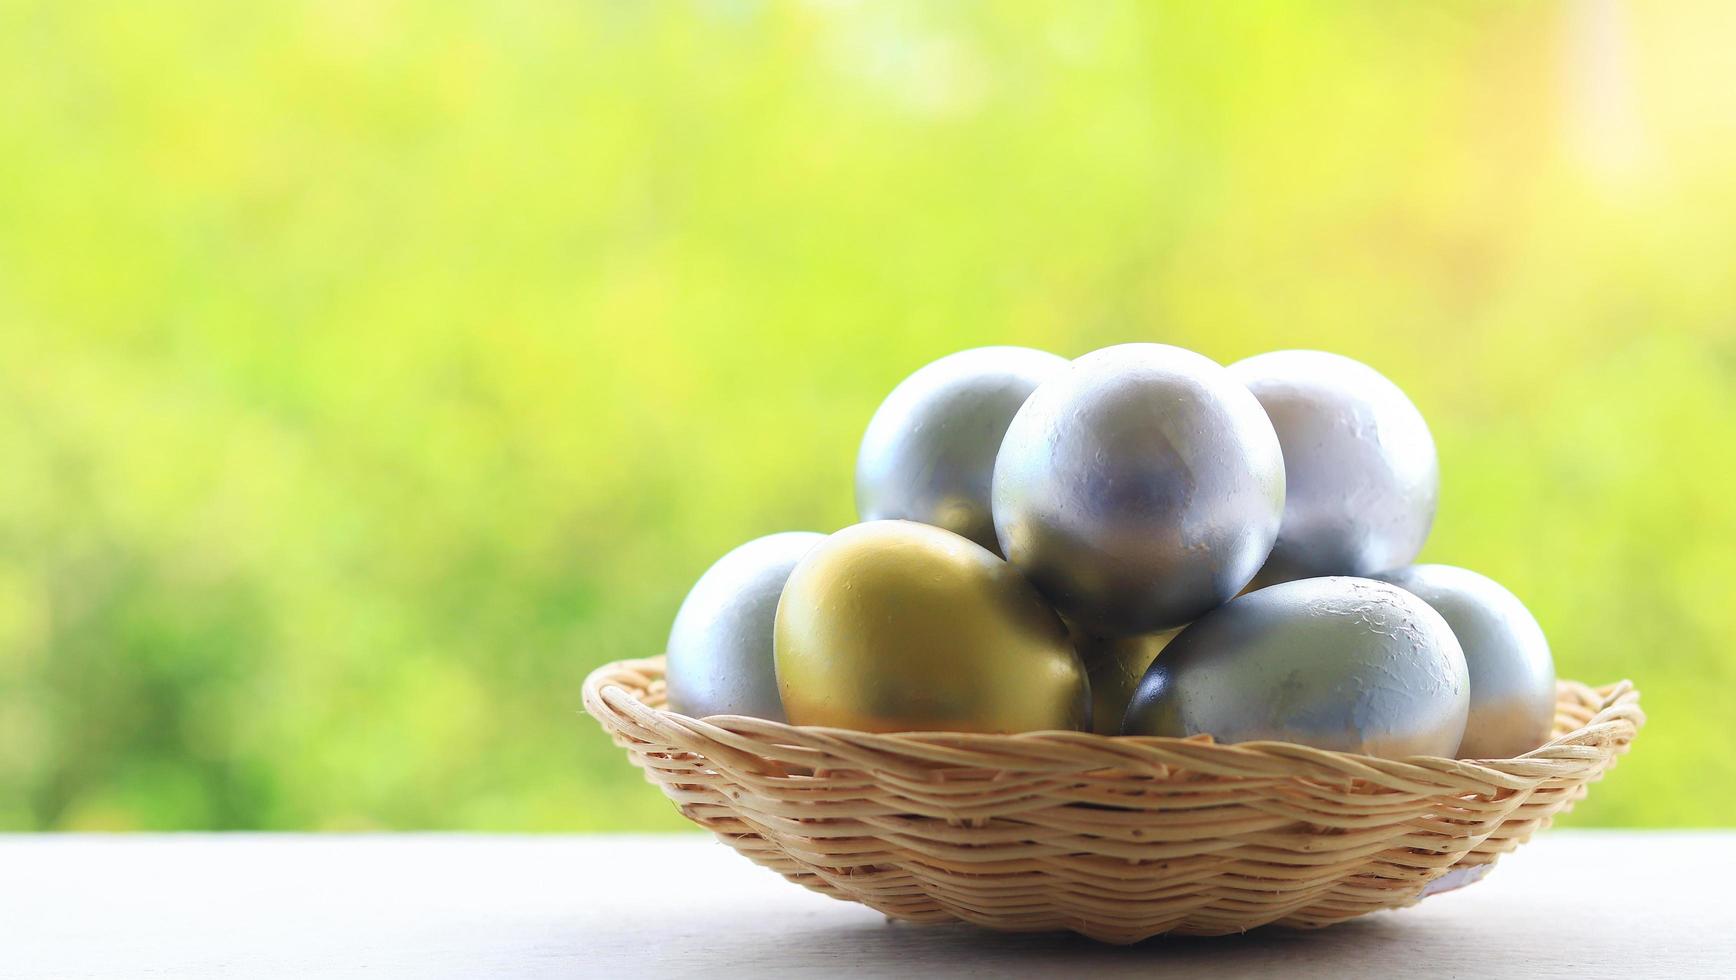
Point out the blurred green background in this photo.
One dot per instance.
(369, 372)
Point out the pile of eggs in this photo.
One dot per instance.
(1139, 541)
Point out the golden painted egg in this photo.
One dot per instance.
(892, 626)
(1114, 667)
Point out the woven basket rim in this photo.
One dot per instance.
(615, 693)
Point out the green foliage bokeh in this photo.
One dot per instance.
(369, 372)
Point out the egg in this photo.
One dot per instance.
(1512, 672)
(1359, 465)
(891, 626)
(720, 648)
(1114, 667)
(1342, 663)
(1138, 488)
(929, 452)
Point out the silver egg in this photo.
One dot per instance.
(1359, 465)
(1139, 488)
(929, 452)
(1512, 672)
(1341, 663)
(720, 649)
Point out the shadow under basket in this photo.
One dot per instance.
(1117, 838)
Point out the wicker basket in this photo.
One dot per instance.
(1116, 838)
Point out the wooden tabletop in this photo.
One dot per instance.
(1568, 904)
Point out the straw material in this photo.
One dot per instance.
(1118, 838)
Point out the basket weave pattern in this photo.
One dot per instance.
(1116, 838)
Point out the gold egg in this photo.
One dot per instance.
(894, 626)
(1114, 667)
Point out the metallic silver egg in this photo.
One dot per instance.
(720, 649)
(1359, 465)
(1139, 488)
(1512, 672)
(1341, 663)
(929, 452)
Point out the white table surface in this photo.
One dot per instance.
(198, 905)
